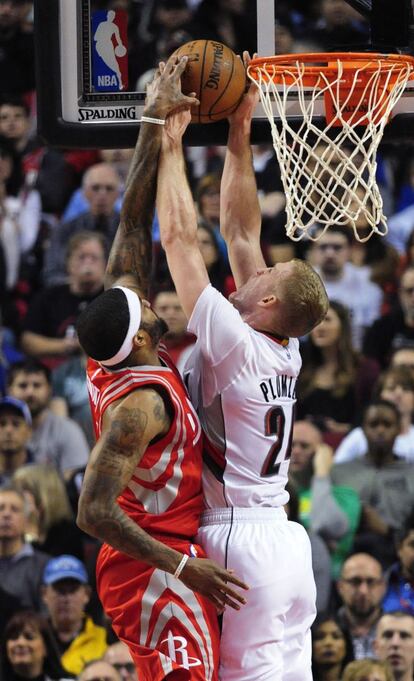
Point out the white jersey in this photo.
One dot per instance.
(242, 383)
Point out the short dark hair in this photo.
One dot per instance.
(14, 100)
(28, 366)
(383, 403)
(103, 325)
(336, 229)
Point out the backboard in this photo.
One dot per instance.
(86, 99)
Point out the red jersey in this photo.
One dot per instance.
(164, 494)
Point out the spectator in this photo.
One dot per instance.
(28, 651)
(15, 433)
(400, 577)
(384, 483)
(334, 382)
(368, 670)
(178, 341)
(21, 566)
(396, 329)
(51, 525)
(329, 511)
(120, 160)
(361, 587)
(344, 282)
(66, 594)
(49, 328)
(397, 386)
(20, 215)
(394, 643)
(15, 123)
(101, 185)
(118, 656)
(99, 670)
(55, 439)
(331, 649)
(16, 48)
(45, 169)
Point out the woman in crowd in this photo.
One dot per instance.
(395, 385)
(331, 649)
(28, 652)
(334, 382)
(51, 526)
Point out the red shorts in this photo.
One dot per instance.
(172, 632)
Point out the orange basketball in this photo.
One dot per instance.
(216, 75)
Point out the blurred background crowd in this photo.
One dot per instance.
(352, 465)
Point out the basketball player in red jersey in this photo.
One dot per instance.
(141, 493)
(241, 377)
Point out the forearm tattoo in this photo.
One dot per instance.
(131, 252)
(108, 475)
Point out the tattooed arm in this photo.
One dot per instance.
(129, 426)
(130, 258)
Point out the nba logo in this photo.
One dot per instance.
(109, 51)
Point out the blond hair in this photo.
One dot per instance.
(359, 670)
(304, 300)
(47, 487)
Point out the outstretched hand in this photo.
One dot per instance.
(249, 101)
(164, 92)
(211, 580)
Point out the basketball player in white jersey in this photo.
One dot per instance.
(242, 378)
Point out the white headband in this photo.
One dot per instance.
(134, 324)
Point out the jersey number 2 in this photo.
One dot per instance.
(275, 423)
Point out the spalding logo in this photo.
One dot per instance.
(214, 77)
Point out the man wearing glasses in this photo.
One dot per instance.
(361, 587)
(118, 656)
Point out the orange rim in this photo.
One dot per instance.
(316, 63)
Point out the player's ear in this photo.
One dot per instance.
(268, 301)
(141, 339)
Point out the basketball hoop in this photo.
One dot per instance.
(328, 173)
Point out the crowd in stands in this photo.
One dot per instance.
(351, 479)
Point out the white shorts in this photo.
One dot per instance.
(269, 637)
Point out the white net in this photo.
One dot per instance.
(329, 174)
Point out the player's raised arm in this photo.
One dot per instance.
(131, 252)
(128, 428)
(177, 215)
(240, 216)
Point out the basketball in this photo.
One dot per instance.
(120, 51)
(217, 76)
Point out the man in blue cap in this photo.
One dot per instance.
(66, 593)
(15, 433)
